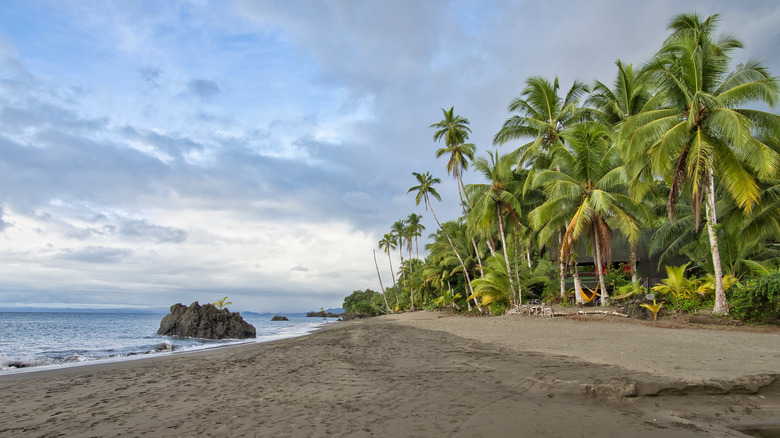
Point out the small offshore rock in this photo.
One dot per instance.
(205, 321)
(279, 318)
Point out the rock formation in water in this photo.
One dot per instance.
(279, 318)
(206, 321)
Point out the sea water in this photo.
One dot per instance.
(29, 340)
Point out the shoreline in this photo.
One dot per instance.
(408, 375)
(158, 354)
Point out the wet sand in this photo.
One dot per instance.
(424, 374)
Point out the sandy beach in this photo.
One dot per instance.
(424, 374)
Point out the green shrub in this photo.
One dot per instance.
(498, 309)
(757, 299)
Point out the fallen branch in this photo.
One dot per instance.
(601, 312)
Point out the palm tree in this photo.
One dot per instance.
(586, 192)
(700, 135)
(495, 200)
(387, 243)
(425, 190)
(455, 131)
(417, 228)
(629, 96)
(384, 294)
(543, 115)
(398, 229)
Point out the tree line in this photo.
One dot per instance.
(674, 149)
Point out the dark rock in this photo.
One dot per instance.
(322, 314)
(205, 321)
(279, 318)
(351, 316)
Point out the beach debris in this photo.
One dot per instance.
(205, 321)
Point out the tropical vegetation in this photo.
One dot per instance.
(679, 156)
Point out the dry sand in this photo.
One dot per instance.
(424, 375)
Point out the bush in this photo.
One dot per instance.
(364, 302)
(757, 299)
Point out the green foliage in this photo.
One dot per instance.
(617, 277)
(498, 309)
(221, 304)
(367, 301)
(680, 292)
(655, 308)
(757, 299)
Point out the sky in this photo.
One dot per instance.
(164, 151)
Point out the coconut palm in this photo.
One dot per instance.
(387, 243)
(543, 115)
(700, 136)
(425, 191)
(455, 131)
(629, 95)
(495, 200)
(587, 194)
(384, 294)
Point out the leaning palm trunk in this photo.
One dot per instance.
(395, 289)
(452, 245)
(600, 268)
(384, 295)
(632, 262)
(721, 305)
(506, 255)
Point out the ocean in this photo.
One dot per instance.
(42, 340)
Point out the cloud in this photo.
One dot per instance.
(203, 88)
(141, 230)
(95, 254)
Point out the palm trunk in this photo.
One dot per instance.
(506, 254)
(479, 259)
(562, 267)
(452, 245)
(632, 261)
(600, 268)
(384, 295)
(411, 274)
(721, 305)
(577, 286)
(395, 289)
(517, 270)
(528, 254)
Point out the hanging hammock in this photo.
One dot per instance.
(589, 297)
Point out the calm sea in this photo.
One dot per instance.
(29, 340)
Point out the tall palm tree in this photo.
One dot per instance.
(629, 95)
(387, 243)
(398, 230)
(586, 193)
(416, 228)
(542, 116)
(455, 131)
(384, 294)
(425, 191)
(700, 135)
(494, 201)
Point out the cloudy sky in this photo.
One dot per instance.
(154, 152)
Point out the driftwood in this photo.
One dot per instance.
(601, 312)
